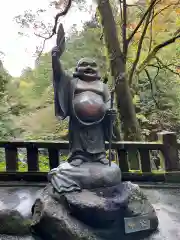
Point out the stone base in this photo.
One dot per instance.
(97, 214)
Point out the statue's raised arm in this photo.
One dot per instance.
(60, 78)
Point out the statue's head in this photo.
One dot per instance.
(87, 70)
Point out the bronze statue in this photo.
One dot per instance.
(85, 99)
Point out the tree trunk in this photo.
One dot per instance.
(124, 101)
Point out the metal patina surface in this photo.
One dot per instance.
(166, 202)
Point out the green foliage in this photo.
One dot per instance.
(30, 97)
(32, 93)
(7, 128)
(156, 95)
(159, 102)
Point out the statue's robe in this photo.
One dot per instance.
(87, 143)
(61, 85)
(85, 139)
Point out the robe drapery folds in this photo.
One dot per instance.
(61, 85)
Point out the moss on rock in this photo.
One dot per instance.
(13, 223)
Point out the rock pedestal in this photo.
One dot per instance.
(12, 222)
(15, 209)
(115, 212)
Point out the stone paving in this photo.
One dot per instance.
(166, 202)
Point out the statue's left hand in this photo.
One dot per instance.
(58, 50)
(60, 41)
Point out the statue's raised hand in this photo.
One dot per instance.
(60, 42)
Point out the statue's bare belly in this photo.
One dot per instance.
(89, 106)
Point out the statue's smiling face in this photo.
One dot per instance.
(87, 67)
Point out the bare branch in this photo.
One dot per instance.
(101, 36)
(177, 32)
(63, 13)
(124, 26)
(163, 9)
(149, 9)
(157, 73)
(151, 32)
(156, 49)
(40, 51)
(166, 66)
(121, 11)
(151, 86)
(60, 14)
(139, 47)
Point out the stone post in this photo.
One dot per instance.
(170, 150)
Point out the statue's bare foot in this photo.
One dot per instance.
(76, 163)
